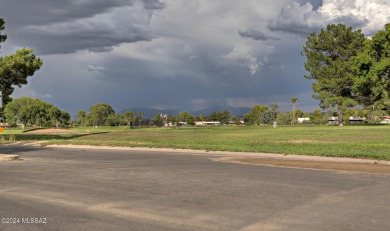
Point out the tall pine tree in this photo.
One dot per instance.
(329, 64)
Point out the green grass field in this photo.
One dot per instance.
(362, 141)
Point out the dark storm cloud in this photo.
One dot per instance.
(196, 60)
(256, 35)
(96, 25)
(41, 12)
(153, 4)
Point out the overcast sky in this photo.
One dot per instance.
(175, 54)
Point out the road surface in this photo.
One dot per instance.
(92, 189)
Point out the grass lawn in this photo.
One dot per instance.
(364, 141)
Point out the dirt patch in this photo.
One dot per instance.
(51, 131)
(323, 165)
(302, 141)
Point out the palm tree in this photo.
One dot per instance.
(274, 107)
(294, 101)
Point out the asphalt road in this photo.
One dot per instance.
(91, 189)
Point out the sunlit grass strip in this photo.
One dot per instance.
(347, 141)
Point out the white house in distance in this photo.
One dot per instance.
(385, 120)
(303, 120)
(356, 120)
(333, 120)
(207, 123)
(4, 125)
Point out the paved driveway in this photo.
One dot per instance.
(91, 189)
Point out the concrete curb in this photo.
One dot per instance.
(4, 157)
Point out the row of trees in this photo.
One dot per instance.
(35, 113)
(349, 70)
(103, 114)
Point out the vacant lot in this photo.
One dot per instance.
(348, 141)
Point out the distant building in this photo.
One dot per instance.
(351, 120)
(303, 120)
(207, 123)
(4, 125)
(385, 120)
(333, 120)
(182, 124)
(170, 124)
(233, 123)
(356, 120)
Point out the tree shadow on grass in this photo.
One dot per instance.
(40, 137)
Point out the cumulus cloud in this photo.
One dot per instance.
(297, 19)
(244, 55)
(212, 38)
(368, 15)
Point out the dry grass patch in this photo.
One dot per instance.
(51, 131)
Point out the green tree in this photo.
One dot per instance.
(274, 107)
(283, 118)
(55, 115)
(65, 118)
(172, 119)
(268, 117)
(294, 101)
(99, 113)
(222, 117)
(141, 115)
(129, 117)
(235, 119)
(329, 55)
(298, 113)
(317, 117)
(158, 119)
(213, 116)
(253, 117)
(35, 112)
(202, 117)
(15, 69)
(12, 110)
(372, 65)
(114, 119)
(185, 117)
(81, 118)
